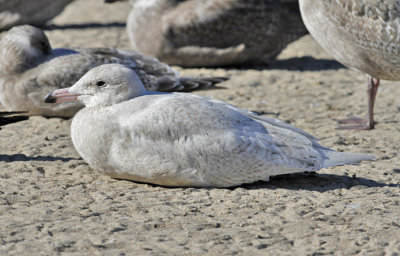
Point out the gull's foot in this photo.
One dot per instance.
(355, 123)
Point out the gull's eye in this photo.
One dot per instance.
(101, 83)
(43, 45)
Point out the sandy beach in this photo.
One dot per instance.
(53, 203)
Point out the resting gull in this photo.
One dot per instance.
(36, 12)
(180, 139)
(30, 68)
(213, 32)
(363, 35)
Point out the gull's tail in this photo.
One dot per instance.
(334, 158)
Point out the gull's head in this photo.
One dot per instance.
(104, 85)
(21, 48)
(28, 40)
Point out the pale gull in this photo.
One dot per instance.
(177, 139)
(34, 12)
(30, 68)
(363, 35)
(214, 32)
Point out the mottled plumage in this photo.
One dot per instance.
(29, 69)
(36, 12)
(176, 139)
(213, 32)
(363, 35)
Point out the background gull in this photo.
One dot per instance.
(176, 139)
(363, 35)
(30, 68)
(213, 32)
(37, 12)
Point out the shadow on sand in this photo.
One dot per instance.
(22, 157)
(306, 63)
(83, 26)
(315, 182)
(299, 181)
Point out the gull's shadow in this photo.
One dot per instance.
(298, 181)
(315, 182)
(306, 63)
(83, 26)
(22, 157)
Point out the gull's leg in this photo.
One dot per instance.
(373, 85)
(360, 123)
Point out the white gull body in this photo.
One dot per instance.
(177, 139)
(30, 68)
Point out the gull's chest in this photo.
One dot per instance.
(91, 139)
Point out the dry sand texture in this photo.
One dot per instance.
(52, 203)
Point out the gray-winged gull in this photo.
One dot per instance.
(30, 68)
(214, 32)
(363, 35)
(36, 12)
(177, 139)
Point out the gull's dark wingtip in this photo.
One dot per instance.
(12, 113)
(8, 117)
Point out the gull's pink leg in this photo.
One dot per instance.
(369, 123)
(373, 85)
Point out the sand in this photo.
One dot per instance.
(53, 203)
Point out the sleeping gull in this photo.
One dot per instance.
(363, 35)
(37, 12)
(213, 32)
(177, 139)
(30, 68)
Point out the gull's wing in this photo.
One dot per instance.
(155, 75)
(267, 120)
(196, 132)
(361, 20)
